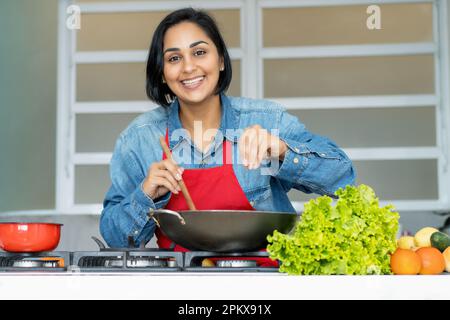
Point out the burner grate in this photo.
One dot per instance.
(34, 262)
(129, 261)
(194, 260)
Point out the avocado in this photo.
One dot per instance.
(440, 241)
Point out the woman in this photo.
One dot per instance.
(233, 153)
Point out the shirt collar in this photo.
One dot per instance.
(229, 120)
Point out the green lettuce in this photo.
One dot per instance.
(355, 236)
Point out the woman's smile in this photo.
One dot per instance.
(193, 83)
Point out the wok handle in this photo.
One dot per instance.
(153, 214)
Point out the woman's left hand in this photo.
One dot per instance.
(257, 144)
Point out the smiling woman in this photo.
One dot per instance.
(233, 153)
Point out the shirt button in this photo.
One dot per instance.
(297, 150)
(295, 160)
(323, 154)
(136, 232)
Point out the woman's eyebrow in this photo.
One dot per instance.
(193, 44)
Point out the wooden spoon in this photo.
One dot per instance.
(184, 190)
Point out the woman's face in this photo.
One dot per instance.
(191, 63)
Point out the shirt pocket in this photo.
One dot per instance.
(258, 187)
(259, 195)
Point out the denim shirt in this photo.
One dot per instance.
(312, 164)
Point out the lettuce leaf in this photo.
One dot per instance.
(355, 236)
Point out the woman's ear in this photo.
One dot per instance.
(222, 65)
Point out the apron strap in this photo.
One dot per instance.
(227, 152)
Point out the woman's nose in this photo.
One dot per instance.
(189, 65)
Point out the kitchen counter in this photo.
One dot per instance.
(223, 286)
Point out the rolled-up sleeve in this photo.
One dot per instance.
(126, 206)
(312, 163)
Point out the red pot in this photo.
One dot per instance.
(29, 237)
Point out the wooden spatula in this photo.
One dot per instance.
(183, 188)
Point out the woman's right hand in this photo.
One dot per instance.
(162, 177)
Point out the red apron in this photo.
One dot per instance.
(206, 188)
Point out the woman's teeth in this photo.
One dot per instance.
(192, 82)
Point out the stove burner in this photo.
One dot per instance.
(202, 261)
(54, 261)
(139, 262)
(36, 264)
(145, 263)
(123, 260)
(236, 264)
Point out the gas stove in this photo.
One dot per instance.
(132, 259)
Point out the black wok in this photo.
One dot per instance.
(222, 230)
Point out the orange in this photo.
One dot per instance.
(433, 261)
(405, 261)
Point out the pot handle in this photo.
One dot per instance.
(153, 214)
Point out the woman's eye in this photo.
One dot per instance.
(200, 52)
(174, 59)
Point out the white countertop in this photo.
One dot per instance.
(219, 286)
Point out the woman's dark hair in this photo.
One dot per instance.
(157, 91)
